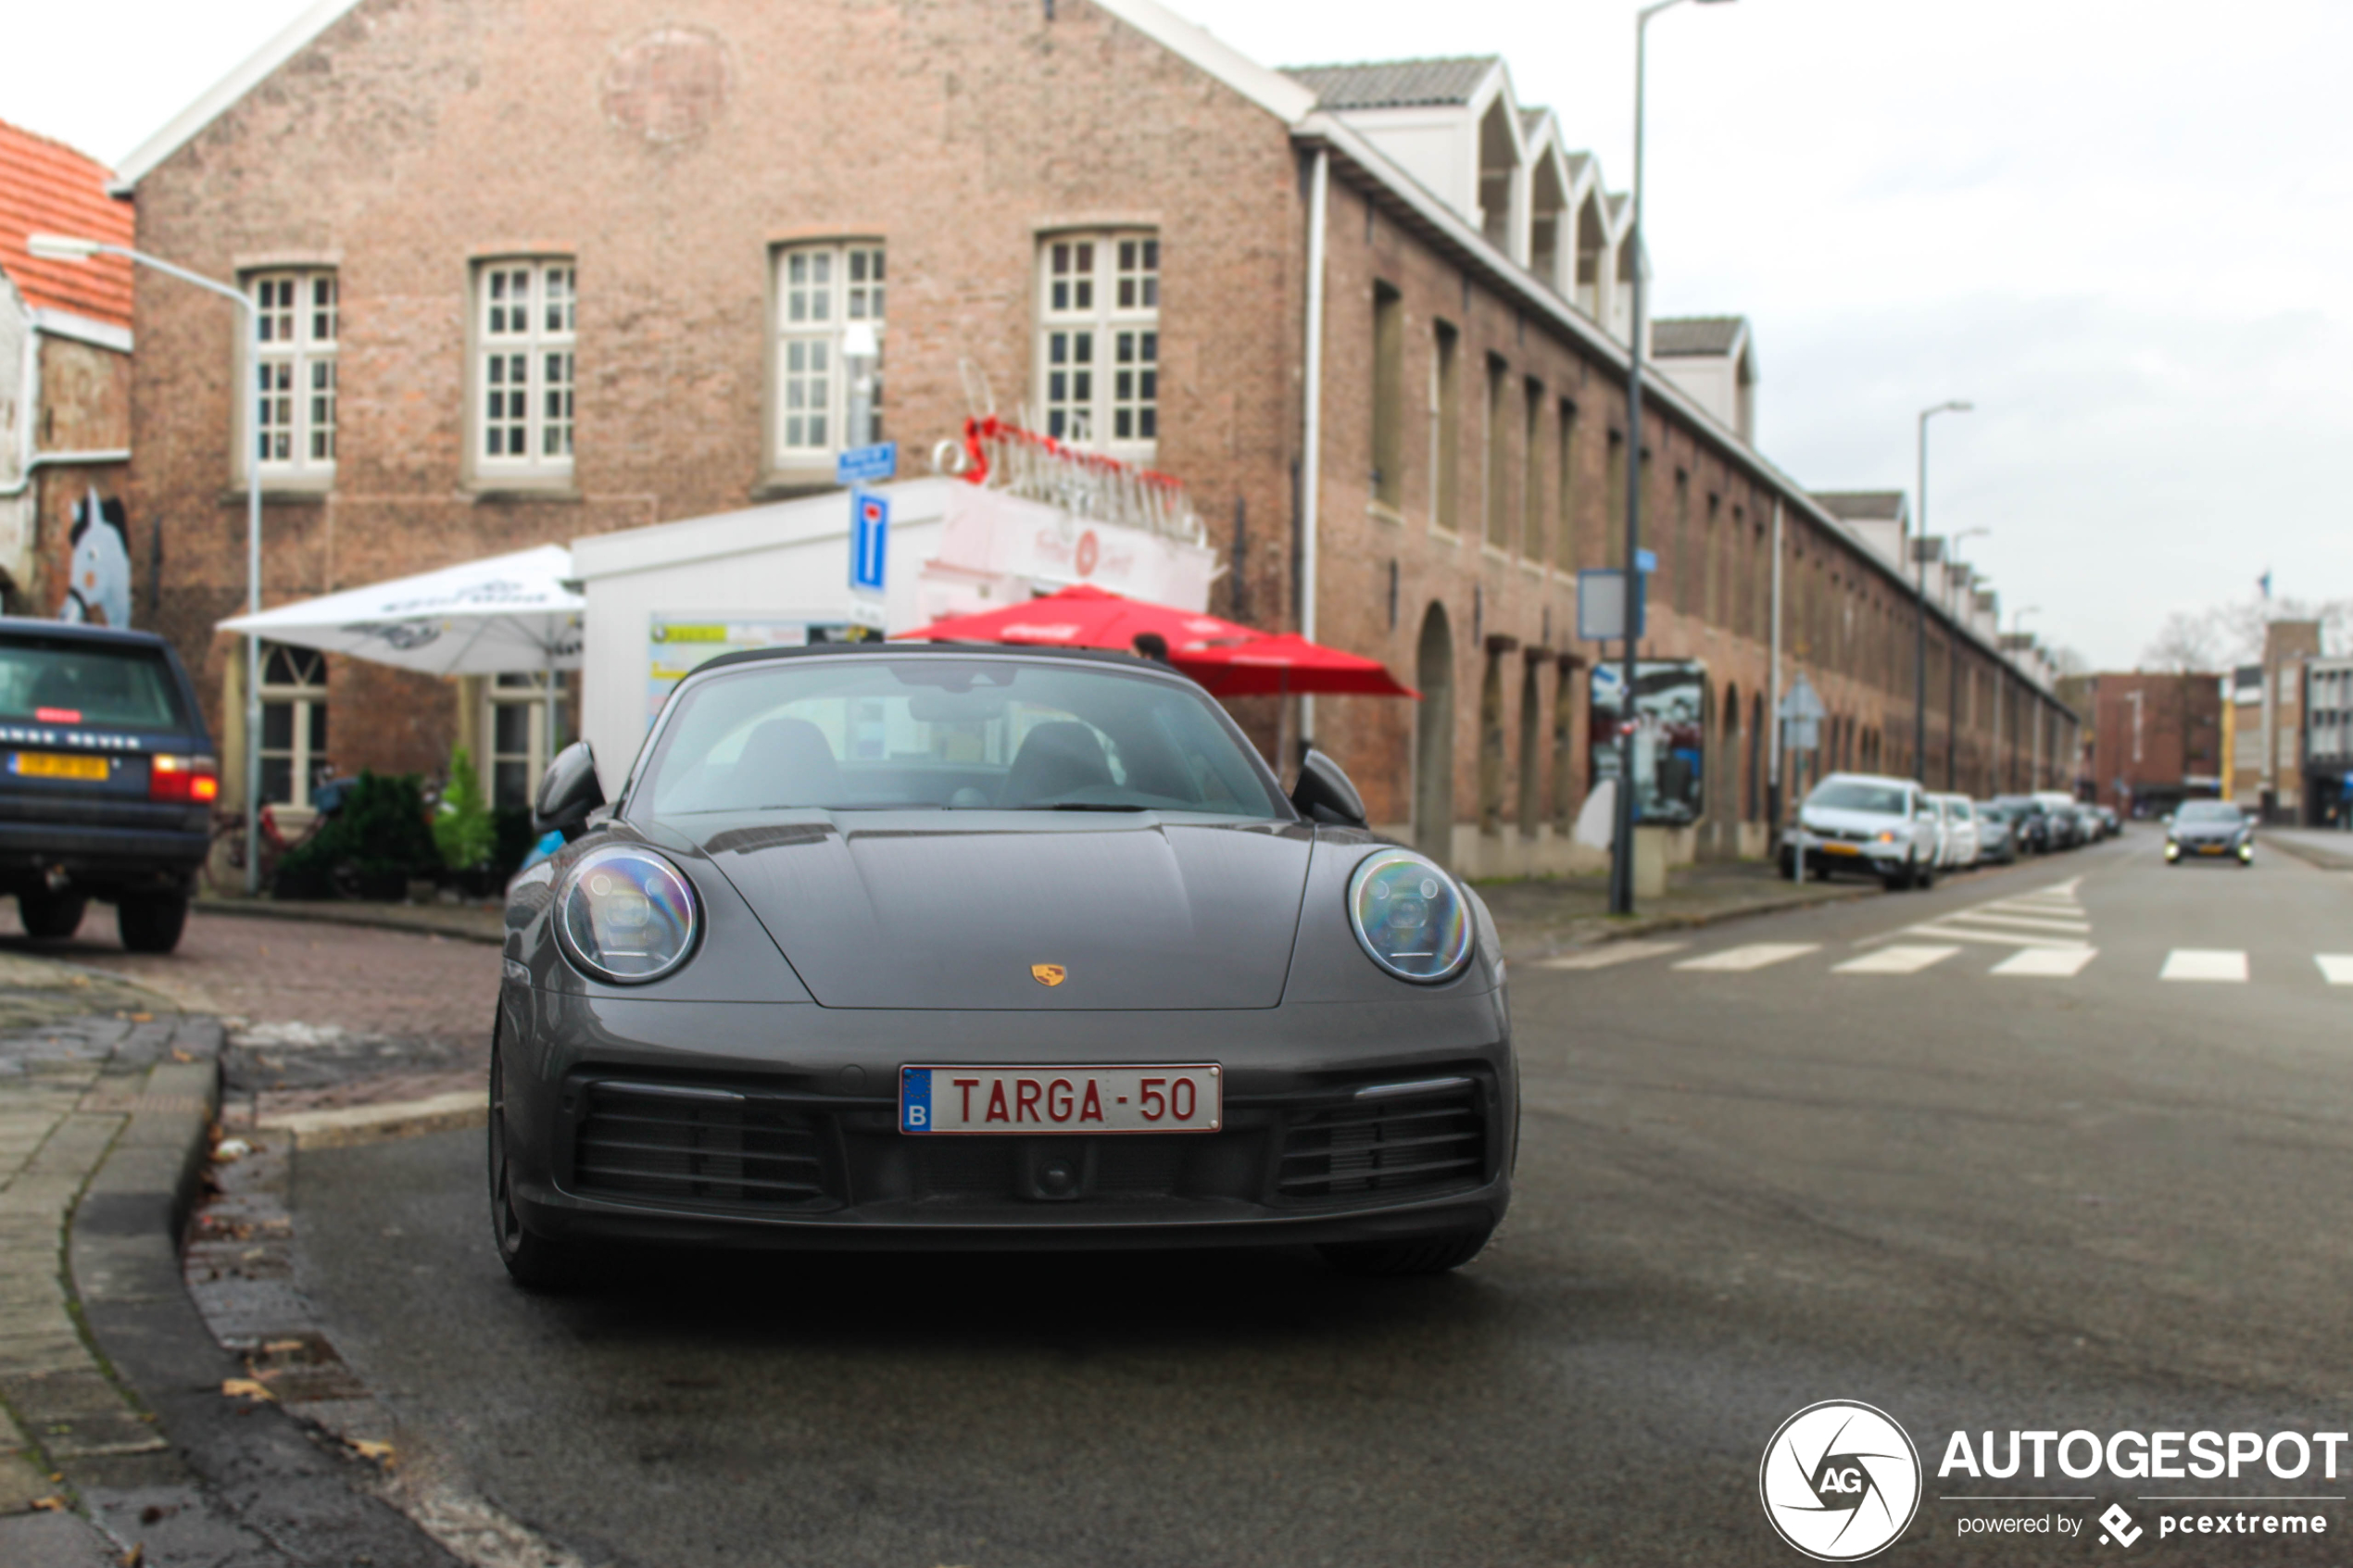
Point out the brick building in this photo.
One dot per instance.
(65, 390)
(546, 272)
(2154, 740)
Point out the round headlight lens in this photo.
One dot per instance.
(1411, 918)
(625, 915)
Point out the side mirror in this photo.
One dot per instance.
(568, 792)
(1324, 795)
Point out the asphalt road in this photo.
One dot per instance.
(2101, 1200)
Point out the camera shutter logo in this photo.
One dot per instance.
(1840, 1481)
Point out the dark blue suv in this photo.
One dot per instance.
(108, 780)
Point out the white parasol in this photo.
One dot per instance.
(489, 616)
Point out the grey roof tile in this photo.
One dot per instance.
(1393, 84)
(1694, 334)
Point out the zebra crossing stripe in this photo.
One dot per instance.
(2335, 968)
(2204, 963)
(1612, 955)
(1895, 960)
(2063, 962)
(1756, 955)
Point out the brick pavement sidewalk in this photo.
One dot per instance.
(88, 1069)
(1540, 917)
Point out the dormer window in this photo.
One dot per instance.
(1593, 257)
(1499, 175)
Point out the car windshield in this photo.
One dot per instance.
(1991, 812)
(925, 732)
(77, 681)
(1853, 795)
(2210, 811)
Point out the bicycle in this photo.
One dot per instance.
(224, 866)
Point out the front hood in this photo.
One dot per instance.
(952, 910)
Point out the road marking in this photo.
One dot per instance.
(1613, 954)
(2042, 917)
(2337, 968)
(2204, 963)
(2032, 923)
(2063, 962)
(1756, 955)
(2000, 938)
(1895, 960)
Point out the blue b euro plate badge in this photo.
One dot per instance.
(914, 1099)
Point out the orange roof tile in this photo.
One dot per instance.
(47, 188)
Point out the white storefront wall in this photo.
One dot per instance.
(761, 576)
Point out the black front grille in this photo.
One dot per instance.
(1385, 1139)
(694, 1145)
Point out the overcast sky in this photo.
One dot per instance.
(2124, 231)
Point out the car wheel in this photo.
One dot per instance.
(51, 917)
(1398, 1260)
(151, 924)
(533, 1262)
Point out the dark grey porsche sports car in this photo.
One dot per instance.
(956, 947)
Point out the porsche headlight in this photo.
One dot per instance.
(1411, 918)
(627, 915)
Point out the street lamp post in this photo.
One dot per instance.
(1621, 860)
(66, 247)
(1919, 597)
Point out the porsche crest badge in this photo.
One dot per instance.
(1049, 973)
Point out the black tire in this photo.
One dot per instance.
(151, 921)
(1924, 877)
(1400, 1259)
(51, 917)
(533, 1262)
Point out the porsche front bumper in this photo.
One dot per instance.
(754, 1124)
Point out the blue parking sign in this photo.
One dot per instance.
(869, 540)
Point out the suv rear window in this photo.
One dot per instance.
(68, 681)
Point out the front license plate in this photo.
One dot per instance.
(1186, 1098)
(2212, 848)
(50, 765)
(1840, 849)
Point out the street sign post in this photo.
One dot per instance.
(869, 542)
(1602, 609)
(1801, 716)
(867, 465)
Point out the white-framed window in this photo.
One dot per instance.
(525, 322)
(298, 324)
(294, 723)
(829, 304)
(1099, 340)
(516, 732)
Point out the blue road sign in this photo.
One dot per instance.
(869, 540)
(1645, 561)
(867, 465)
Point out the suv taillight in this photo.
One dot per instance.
(194, 781)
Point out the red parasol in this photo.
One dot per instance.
(1081, 617)
(1287, 665)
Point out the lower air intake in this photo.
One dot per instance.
(1386, 1140)
(694, 1145)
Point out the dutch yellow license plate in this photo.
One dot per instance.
(52, 765)
(1840, 849)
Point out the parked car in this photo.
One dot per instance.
(1956, 832)
(2112, 824)
(2209, 830)
(2066, 827)
(775, 994)
(1996, 833)
(1866, 823)
(2030, 822)
(108, 783)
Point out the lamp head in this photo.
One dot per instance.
(60, 247)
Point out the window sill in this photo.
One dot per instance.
(492, 492)
(1444, 535)
(281, 495)
(1382, 511)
